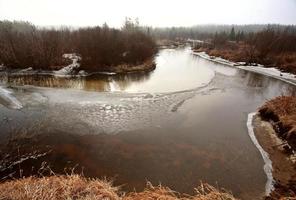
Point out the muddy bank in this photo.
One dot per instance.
(147, 66)
(281, 149)
(281, 113)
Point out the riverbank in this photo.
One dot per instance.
(146, 66)
(273, 127)
(78, 187)
(256, 68)
(74, 70)
(274, 130)
(284, 61)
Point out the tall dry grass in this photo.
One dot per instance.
(80, 188)
(282, 111)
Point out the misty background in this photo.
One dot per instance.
(153, 13)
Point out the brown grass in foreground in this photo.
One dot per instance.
(77, 187)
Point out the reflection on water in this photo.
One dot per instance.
(266, 84)
(173, 67)
(90, 83)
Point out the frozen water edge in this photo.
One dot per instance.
(9, 99)
(267, 162)
(260, 69)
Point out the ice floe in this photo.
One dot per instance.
(7, 99)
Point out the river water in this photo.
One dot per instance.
(183, 123)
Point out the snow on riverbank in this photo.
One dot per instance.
(260, 69)
(267, 162)
(70, 69)
(7, 98)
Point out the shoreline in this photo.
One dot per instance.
(6, 95)
(259, 69)
(147, 66)
(268, 169)
(283, 168)
(278, 166)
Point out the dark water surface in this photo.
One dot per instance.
(183, 123)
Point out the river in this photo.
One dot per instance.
(182, 123)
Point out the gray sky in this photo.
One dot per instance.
(149, 12)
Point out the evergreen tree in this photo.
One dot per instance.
(232, 34)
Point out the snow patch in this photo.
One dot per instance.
(215, 59)
(268, 164)
(272, 72)
(70, 69)
(27, 69)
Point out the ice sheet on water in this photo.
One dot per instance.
(7, 99)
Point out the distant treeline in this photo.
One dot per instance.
(202, 32)
(271, 46)
(25, 45)
(270, 40)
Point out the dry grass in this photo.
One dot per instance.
(282, 111)
(286, 61)
(204, 192)
(57, 187)
(281, 106)
(236, 52)
(80, 188)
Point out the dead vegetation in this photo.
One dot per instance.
(57, 187)
(271, 47)
(282, 112)
(24, 45)
(78, 187)
(203, 192)
(236, 52)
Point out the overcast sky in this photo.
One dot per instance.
(150, 12)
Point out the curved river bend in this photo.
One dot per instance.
(182, 123)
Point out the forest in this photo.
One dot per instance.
(273, 46)
(24, 45)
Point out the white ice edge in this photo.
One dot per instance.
(269, 186)
(6, 95)
(260, 69)
(70, 68)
